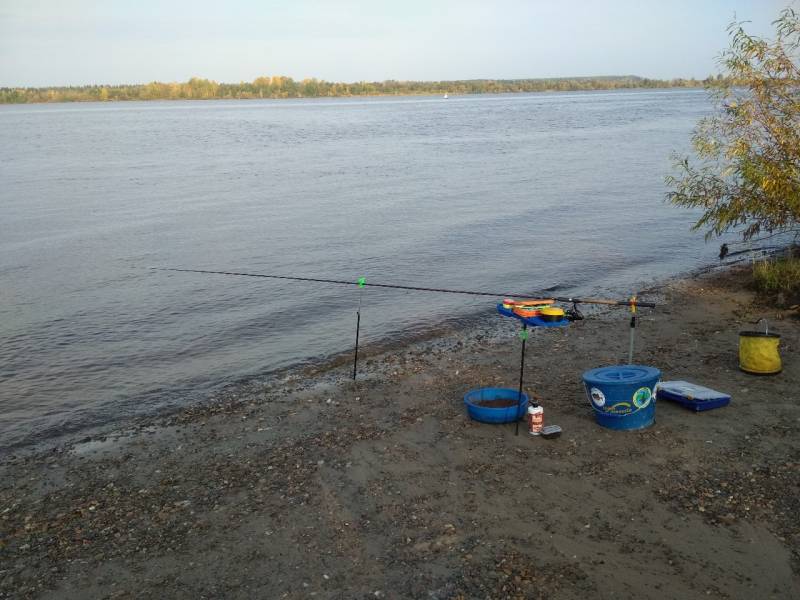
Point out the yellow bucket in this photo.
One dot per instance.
(758, 352)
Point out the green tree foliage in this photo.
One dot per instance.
(285, 87)
(746, 174)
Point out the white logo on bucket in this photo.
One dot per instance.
(598, 397)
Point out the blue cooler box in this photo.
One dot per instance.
(623, 397)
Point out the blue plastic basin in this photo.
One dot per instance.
(623, 397)
(487, 414)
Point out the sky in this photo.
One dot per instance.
(77, 42)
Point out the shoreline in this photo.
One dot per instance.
(331, 368)
(346, 489)
(436, 94)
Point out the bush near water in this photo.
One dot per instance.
(745, 172)
(779, 280)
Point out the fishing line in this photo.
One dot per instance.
(361, 283)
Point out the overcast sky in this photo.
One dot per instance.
(63, 42)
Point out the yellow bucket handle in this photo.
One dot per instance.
(766, 325)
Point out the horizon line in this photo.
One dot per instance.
(306, 79)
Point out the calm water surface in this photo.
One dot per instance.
(504, 193)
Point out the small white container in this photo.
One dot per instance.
(535, 420)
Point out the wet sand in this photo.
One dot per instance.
(315, 486)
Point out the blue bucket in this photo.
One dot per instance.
(489, 414)
(623, 397)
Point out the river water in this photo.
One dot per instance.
(508, 193)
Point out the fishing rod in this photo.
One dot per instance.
(362, 283)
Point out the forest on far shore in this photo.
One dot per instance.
(286, 87)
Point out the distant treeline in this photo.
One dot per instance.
(286, 87)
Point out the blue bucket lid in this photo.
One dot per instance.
(622, 375)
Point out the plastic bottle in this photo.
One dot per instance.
(535, 420)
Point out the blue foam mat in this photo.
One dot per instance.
(531, 321)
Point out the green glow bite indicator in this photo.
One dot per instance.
(523, 335)
(362, 281)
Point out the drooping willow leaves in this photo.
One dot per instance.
(745, 175)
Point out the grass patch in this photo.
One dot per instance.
(780, 278)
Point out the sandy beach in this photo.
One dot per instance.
(316, 486)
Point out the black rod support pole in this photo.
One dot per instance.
(355, 358)
(524, 336)
(633, 335)
(633, 330)
(361, 282)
